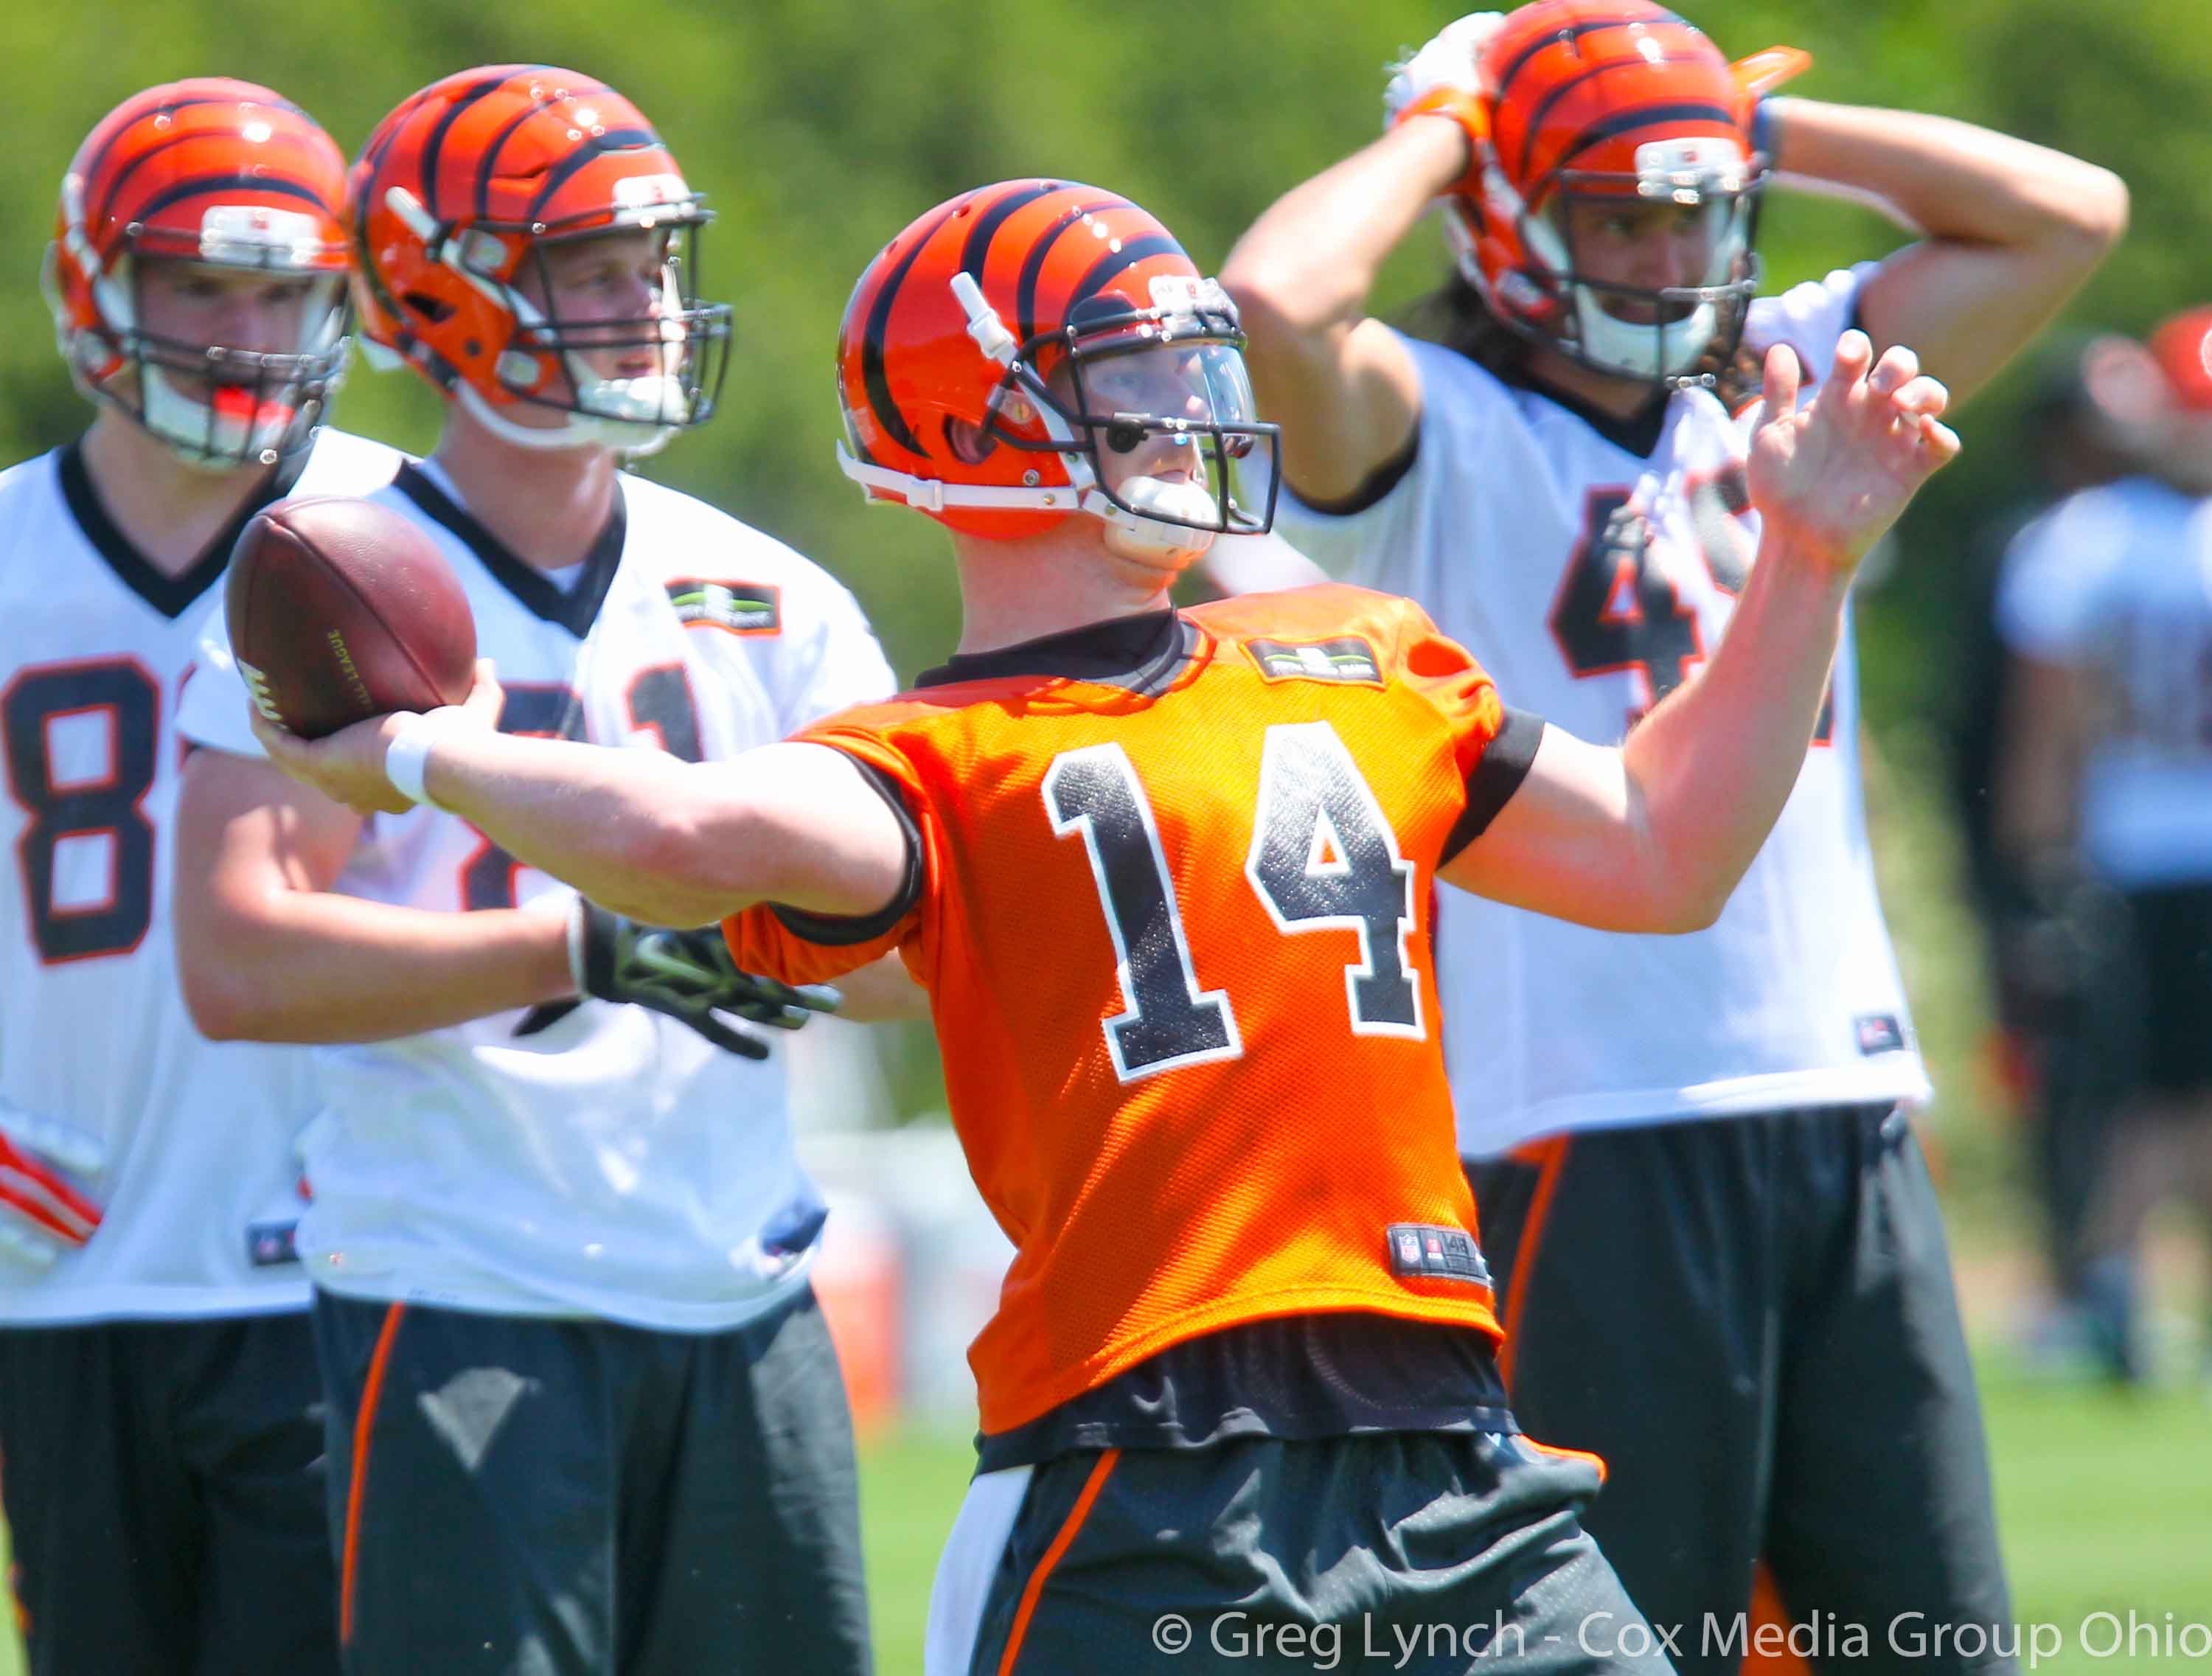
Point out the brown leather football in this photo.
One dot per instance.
(340, 610)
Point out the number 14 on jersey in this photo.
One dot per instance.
(1323, 856)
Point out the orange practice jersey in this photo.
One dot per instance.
(1175, 938)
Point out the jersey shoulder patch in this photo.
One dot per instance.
(1331, 632)
(1342, 658)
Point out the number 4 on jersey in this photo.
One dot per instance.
(1617, 609)
(1322, 858)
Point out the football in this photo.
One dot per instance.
(340, 609)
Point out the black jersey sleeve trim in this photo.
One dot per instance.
(1497, 776)
(839, 931)
(1374, 486)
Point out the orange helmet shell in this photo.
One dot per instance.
(457, 184)
(1044, 255)
(206, 170)
(2183, 349)
(1579, 92)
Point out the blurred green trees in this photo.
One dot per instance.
(818, 128)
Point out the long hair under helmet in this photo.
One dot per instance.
(1592, 105)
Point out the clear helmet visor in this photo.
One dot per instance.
(1173, 433)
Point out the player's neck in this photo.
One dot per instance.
(1067, 577)
(1616, 397)
(166, 508)
(546, 505)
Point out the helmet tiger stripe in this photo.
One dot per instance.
(961, 360)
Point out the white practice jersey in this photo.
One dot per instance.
(1591, 580)
(194, 1140)
(587, 1158)
(2117, 582)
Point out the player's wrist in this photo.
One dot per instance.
(1458, 166)
(410, 740)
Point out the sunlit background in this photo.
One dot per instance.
(816, 128)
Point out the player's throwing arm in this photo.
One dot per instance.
(1668, 822)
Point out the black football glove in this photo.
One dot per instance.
(687, 974)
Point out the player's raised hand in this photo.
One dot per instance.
(1829, 479)
(1444, 79)
(353, 765)
(1451, 59)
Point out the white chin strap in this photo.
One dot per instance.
(576, 430)
(1128, 533)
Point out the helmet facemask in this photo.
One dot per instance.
(1700, 196)
(1153, 416)
(680, 346)
(217, 406)
(557, 360)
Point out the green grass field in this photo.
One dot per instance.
(2106, 1499)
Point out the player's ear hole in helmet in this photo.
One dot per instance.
(1037, 349)
(528, 244)
(197, 272)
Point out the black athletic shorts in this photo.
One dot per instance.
(2173, 943)
(524, 1497)
(1751, 1320)
(164, 1486)
(1432, 1553)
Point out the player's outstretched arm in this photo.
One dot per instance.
(1342, 385)
(2011, 228)
(267, 952)
(664, 842)
(1653, 836)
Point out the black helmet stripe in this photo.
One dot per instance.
(1563, 37)
(491, 152)
(1536, 128)
(1643, 116)
(1119, 261)
(258, 183)
(1033, 263)
(871, 345)
(92, 164)
(586, 151)
(91, 216)
(436, 142)
(977, 250)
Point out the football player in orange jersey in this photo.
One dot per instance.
(1165, 875)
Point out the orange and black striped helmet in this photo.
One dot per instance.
(458, 202)
(1617, 119)
(222, 174)
(1035, 348)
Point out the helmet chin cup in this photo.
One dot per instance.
(204, 434)
(1155, 540)
(628, 437)
(1654, 351)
